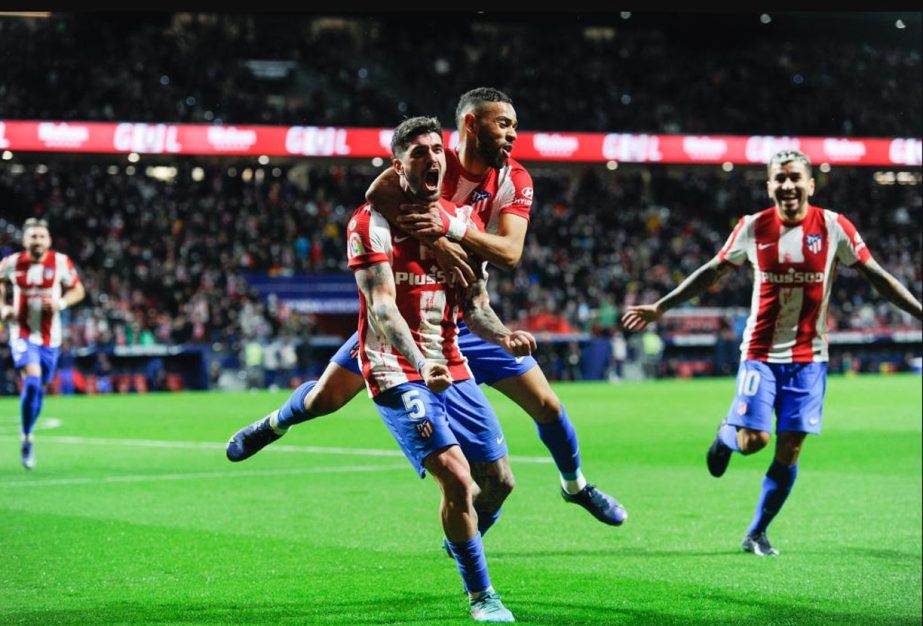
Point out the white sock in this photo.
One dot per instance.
(274, 424)
(574, 486)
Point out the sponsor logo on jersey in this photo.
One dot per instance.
(478, 195)
(409, 278)
(792, 277)
(815, 243)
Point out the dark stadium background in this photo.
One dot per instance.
(172, 264)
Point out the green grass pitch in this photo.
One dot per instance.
(134, 516)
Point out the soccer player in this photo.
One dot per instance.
(44, 284)
(794, 248)
(480, 173)
(411, 362)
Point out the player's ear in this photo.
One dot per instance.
(810, 187)
(470, 122)
(397, 166)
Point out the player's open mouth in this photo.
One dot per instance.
(431, 179)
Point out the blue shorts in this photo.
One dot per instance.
(27, 353)
(488, 362)
(459, 416)
(795, 391)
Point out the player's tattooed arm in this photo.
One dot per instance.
(377, 285)
(638, 316)
(483, 322)
(889, 287)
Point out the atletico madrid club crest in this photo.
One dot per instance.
(814, 243)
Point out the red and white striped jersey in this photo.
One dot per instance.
(428, 304)
(32, 282)
(505, 190)
(793, 271)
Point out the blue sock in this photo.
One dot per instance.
(728, 436)
(486, 520)
(561, 440)
(471, 563)
(776, 486)
(30, 402)
(292, 410)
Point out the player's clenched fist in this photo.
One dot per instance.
(519, 343)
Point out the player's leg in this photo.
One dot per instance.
(748, 423)
(800, 411)
(418, 420)
(477, 429)
(27, 359)
(522, 380)
(531, 391)
(459, 520)
(339, 383)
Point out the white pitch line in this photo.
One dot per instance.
(137, 478)
(211, 445)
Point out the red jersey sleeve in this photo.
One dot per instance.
(520, 201)
(850, 249)
(368, 239)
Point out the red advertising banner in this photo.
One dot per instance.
(328, 141)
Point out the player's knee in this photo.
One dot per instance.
(752, 440)
(458, 488)
(505, 485)
(323, 400)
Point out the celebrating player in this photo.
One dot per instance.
(411, 363)
(794, 248)
(480, 173)
(44, 284)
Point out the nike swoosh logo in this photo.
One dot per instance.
(499, 440)
(763, 246)
(400, 239)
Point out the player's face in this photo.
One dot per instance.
(36, 240)
(423, 166)
(790, 186)
(495, 132)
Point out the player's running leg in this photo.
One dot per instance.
(777, 484)
(336, 386)
(532, 392)
(27, 357)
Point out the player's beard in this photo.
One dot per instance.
(491, 152)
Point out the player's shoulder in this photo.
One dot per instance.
(515, 167)
(361, 216)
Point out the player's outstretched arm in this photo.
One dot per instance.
(889, 287)
(377, 286)
(639, 316)
(483, 322)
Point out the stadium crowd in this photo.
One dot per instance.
(304, 69)
(164, 261)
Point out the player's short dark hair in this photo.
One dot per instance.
(34, 222)
(477, 97)
(410, 129)
(782, 157)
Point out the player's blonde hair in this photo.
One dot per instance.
(782, 157)
(34, 222)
